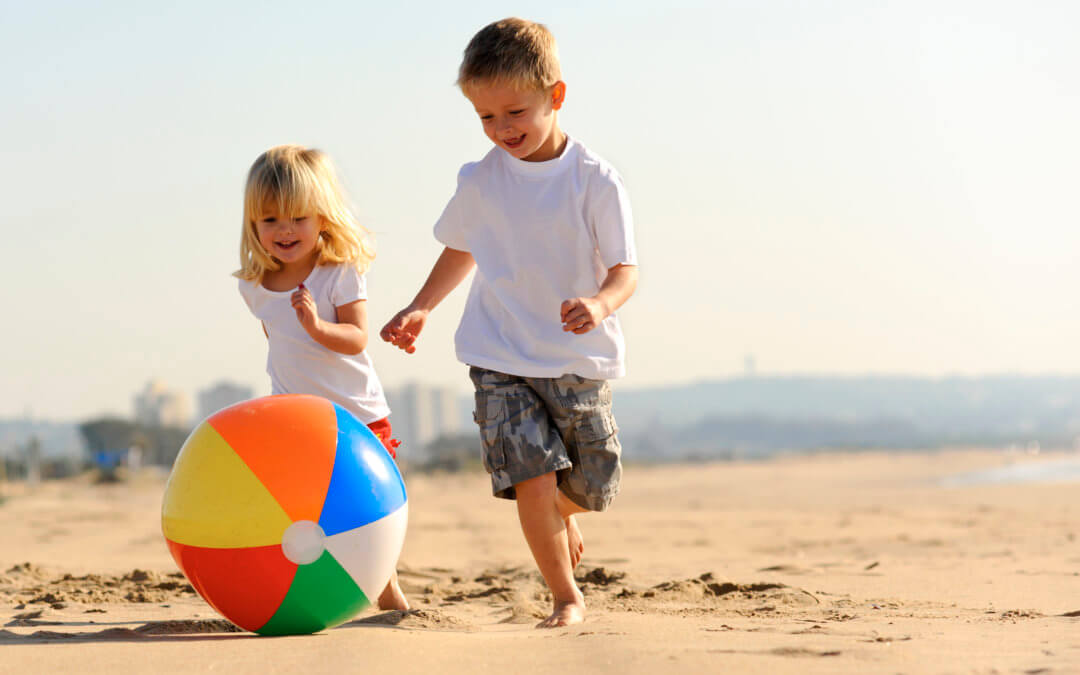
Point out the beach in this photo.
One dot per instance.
(871, 562)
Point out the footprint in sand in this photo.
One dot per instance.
(426, 619)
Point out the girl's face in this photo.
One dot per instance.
(289, 239)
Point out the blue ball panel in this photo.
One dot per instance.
(365, 484)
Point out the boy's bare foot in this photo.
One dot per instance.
(575, 541)
(566, 613)
(392, 596)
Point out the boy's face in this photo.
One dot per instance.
(524, 123)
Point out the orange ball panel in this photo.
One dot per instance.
(291, 452)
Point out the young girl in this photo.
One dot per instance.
(302, 263)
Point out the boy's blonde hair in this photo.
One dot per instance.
(514, 52)
(292, 180)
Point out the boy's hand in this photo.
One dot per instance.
(404, 328)
(581, 315)
(306, 312)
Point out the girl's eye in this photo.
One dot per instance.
(268, 220)
(300, 219)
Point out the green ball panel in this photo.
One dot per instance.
(322, 595)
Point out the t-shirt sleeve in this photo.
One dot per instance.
(608, 213)
(349, 286)
(247, 290)
(450, 228)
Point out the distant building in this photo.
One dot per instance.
(222, 395)
(420, 414)
(447, 411)
(749, 365)
(158, 406)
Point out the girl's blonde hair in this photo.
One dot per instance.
(292, 180)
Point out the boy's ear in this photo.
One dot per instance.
(558, 94)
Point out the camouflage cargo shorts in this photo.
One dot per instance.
(531, 426)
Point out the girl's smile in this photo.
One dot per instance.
(289, 239)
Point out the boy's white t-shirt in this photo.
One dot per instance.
(299, 365)
(541, 233)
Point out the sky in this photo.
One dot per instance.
(843, 187)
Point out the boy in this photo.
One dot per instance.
(547, 225)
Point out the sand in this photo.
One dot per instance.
(832, 563)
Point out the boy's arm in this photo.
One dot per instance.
(449, 270)
(581, 315)
(348, 335)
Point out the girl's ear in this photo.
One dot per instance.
(558, 94)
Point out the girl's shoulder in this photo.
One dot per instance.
(342, 282)
(335, 271)
(247, 289)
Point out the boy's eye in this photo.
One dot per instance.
(517, 112)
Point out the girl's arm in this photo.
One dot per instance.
(449, 270)
(349, 335)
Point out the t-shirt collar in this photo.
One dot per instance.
(548, 168)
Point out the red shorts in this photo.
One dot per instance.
(382, 430)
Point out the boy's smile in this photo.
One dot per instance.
(524, 123)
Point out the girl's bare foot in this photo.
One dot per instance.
(392, 596)
(566, 613)
(575, 541)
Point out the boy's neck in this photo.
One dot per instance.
(553, 147)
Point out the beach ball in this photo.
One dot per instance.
(285, 513)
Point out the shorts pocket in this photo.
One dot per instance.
(595, 427)
(488, 415)
(598, 454)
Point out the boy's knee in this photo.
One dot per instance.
(539, 487)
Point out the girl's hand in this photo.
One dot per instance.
(404, 328)
(306, 312)
(581, 315)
